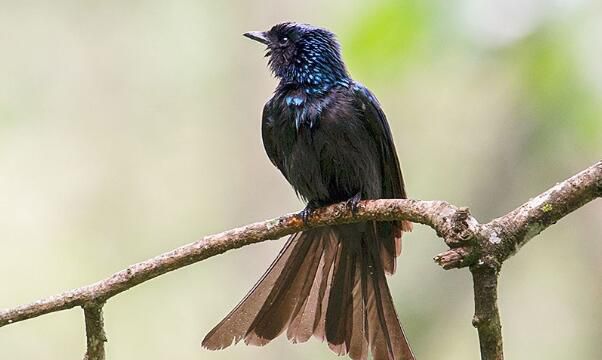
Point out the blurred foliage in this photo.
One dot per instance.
(555, 90)
(130, 128)
(388, 36)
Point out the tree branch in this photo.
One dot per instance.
(95, 332)
(499, 239)
(516, 228)
(436, 214)
(486, 315)
(483, 247)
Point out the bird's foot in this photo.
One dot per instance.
(309, 209)
(353, 203)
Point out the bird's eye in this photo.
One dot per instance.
(284, 40)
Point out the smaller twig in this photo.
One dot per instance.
(487, 316)
(95, 332)
(454, 258)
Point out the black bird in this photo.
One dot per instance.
(329, 137)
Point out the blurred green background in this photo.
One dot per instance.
(128, 128)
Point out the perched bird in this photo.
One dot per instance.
(329, 137)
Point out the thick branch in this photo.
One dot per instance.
(511, 231)
(437, 214)
(95, 332)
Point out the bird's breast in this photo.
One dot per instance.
(327, 154)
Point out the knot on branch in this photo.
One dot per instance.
(477, 322)
(459, 230)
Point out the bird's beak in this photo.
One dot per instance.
(257, 36)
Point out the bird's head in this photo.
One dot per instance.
(303, 54)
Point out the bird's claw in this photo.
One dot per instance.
(353, 203)
(306, 213)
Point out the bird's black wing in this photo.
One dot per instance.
(376, 121)
(267, 133)
(389, 233)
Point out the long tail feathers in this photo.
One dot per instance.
(329, 283)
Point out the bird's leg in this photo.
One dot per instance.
(353, 202)
(309, 209)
